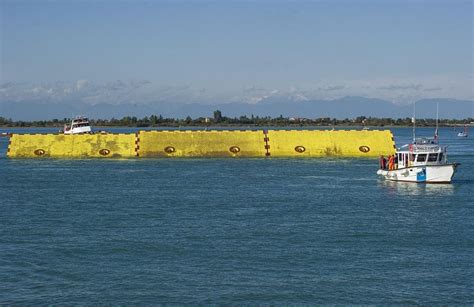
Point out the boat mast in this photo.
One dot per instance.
(413, 120)
(436, 131)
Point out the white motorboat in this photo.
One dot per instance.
(422, 161)
(79, 125)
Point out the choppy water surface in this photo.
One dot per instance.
(234, 231)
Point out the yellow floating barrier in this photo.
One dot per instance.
(72, 146)
(213, 143)
(324, 143)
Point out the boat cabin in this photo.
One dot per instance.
(80, 122)
(78, 125)
(421, 152)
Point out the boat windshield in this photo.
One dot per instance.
(432, 157)
(421, 158)
(81, 125)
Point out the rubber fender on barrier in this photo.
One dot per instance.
(300, 149)
(364, 149)
(170, 149)
(234, 149)
(39, 152)
(104, 152)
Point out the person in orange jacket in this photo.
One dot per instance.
(390, 163)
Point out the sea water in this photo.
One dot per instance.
(241, 231)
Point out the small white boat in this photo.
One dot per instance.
(463, 134)
(422, 161)
(79, 125)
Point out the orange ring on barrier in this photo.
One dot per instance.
(104, 152)
(39, 152)
(300, 149)
(234, 149)
(169, 149)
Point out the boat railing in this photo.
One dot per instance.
(427, 148)
(423, 149)
(425, 141)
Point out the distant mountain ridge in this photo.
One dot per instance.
(346, 107)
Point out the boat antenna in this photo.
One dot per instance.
(436, 131)
(413, 120)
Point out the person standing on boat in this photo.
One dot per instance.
(395, 161)
(390, 162)
(383, 162)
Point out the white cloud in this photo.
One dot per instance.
(396, 87)
(80, 84)
(399, 90)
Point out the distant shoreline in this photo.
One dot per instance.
(219, 121)
(248, 126)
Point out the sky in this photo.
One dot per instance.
(244, 51)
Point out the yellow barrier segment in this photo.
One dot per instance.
(212, 143)
(72, 146)
(342, 143)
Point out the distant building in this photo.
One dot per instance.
(299, 119)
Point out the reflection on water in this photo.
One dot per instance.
(412, 189)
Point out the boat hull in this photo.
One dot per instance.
(78, 130)
(421, 174)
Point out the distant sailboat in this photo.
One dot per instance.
(464, 134)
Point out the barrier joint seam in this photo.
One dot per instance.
(137, 145)
(266, 139)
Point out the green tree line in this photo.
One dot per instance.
(218, 119)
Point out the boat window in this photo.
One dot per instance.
(440, 156)
(432, 157)
(80, 125)
(421, 158)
